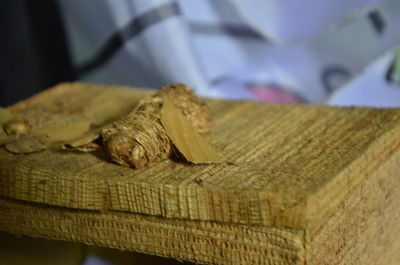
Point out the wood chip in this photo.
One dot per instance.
(45, 137)
(29, 144)
(192, 146)
(90, 147)
(64, 132)
(84, 143)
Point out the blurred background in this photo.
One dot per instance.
(34, 49)
(330, 52)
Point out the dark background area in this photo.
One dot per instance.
(33, 49)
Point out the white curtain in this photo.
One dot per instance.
(274, 50)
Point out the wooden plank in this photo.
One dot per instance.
(285, 165)
(299, 184)
(364, 225)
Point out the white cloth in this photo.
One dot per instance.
(370, 88)
(223, 47)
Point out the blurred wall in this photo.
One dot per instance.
(33, 50)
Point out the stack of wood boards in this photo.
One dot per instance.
(299, 184)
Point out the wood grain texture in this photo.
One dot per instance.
(285, 165)
(365, 225)
(202, 242)
(184, 137)
(326, 177)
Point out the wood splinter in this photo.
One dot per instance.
(139, 138)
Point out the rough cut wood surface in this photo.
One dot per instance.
(198, 241)
(299, 184)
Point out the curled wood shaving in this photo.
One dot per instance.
(139, 139)
(89, 147)
(84, 143)
(29, 144)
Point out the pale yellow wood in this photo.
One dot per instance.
(283, 164)
(298, 185)
(392, 254)
(201, 242)
(64, 132)
(189, 143)
(365, 225)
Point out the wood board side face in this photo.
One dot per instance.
(200, 242)
(327, 199)
(276, 158)
(365, 226)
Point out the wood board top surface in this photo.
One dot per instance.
(285, 165)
